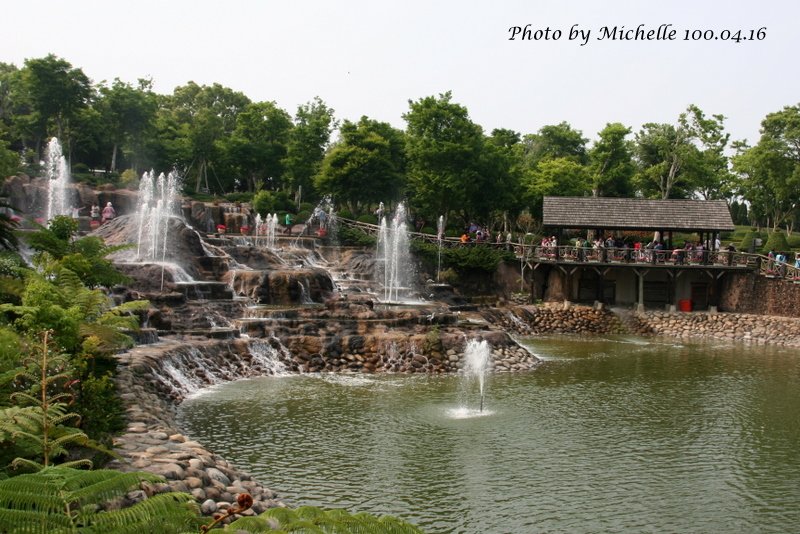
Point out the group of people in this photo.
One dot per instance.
(779, 260)
(96, 215)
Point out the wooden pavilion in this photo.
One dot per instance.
(625, 273)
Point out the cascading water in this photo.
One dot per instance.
(58, 179)
(476, 356)
(394, 257)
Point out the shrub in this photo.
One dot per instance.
(746, 244)
(302, 217)
(776, 242)
(448, 276)
(366, 218)
(129, 179)
(344, 214)
(243, 196)
(428, 230)
(355, 238)
(272, 202)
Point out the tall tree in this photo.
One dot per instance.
(443, 147)
(559, 177)
(192, 122)
(366, 165)
(555, 141)
(710, 175)
(313, 124)
(769, 173)
(57, 92)
(257, 146)
(610, 162)
(129, 114)
(662, 152)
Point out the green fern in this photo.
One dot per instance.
(314, 520)
(64, 500)
(38, 424)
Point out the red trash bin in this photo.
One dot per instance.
(685, 305)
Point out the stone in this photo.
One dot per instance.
(208, 507)
(217, 475)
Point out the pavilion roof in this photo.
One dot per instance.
(637, 214)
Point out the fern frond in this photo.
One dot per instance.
(165, 512)
(103, 484)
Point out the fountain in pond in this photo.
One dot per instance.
(476, 356)
(394, 257)
(266, 230)
(58, 179)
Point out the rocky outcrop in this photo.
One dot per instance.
(554, 318)
(756, 294)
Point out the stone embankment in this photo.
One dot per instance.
(153, 442)
(759, 329)
(554, 318)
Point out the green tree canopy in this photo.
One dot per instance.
(443, 147)
(367, 165)
(313, 124)
(610, 162)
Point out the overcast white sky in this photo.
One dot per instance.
(370, 57)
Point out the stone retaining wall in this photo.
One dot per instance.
(751, 293)
(553, 318)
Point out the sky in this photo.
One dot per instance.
(371, 57)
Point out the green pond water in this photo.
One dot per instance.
(608, 435)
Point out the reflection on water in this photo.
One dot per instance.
(615, 435)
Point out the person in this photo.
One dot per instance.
(379, 212)
(76, 212)
(95, 212)
(464, 238)
(288, 223)
(797, 260)
(108, 213)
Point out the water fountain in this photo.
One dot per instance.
(477, 354)
(58, 178)
(439, 239)
(156, 206)
(394, 257)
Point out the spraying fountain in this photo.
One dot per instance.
(477, 354)
(156, 206)
(394, 257)
(58, 179)
(439, 239)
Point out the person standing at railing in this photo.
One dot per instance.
(797, 260)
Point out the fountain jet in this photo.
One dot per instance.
(394, 257)
(477, 354)
(58, 179)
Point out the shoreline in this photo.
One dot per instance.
(148, 374)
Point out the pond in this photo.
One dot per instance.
(608, 435)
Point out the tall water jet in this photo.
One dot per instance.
(158, 203)
(394, 257)
(58, 178)
(476, 356)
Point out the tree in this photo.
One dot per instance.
(443, 147)
(57, 92)
(367, 165)
(710, 175)
(313, 124)
(662, 151)
(192, 122)
(610, 163)
(128, 114)
(560, 177)
(258, 144)
(555, 141)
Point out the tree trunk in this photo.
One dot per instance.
(114, 158)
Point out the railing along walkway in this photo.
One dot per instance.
(621, 256)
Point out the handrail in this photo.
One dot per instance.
(765, 266)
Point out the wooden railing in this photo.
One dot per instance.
(571, 254)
